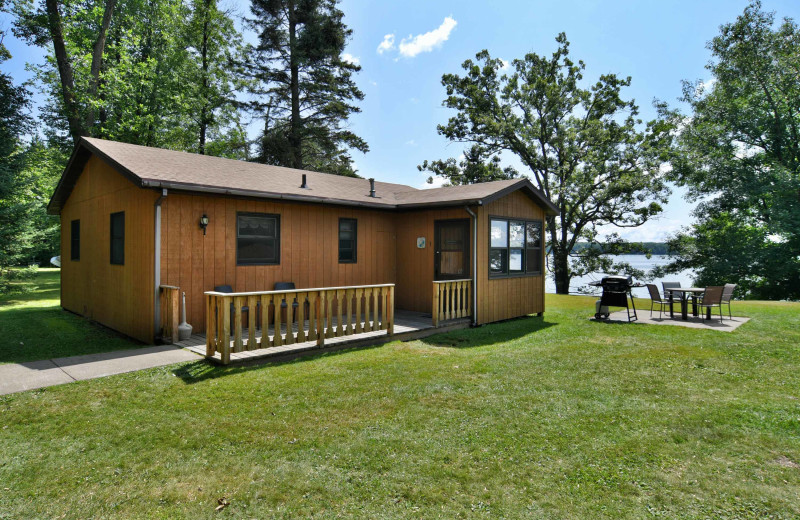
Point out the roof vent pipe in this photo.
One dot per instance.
(372, 187)
(304, 182)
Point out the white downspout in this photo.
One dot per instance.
(474, 265)
(157, 265)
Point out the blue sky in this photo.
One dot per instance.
(657, 43)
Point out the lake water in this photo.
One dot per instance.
(637, 261)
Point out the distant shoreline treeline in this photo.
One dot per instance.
(656, 248)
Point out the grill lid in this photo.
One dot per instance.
(617, 280)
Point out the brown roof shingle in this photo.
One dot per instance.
(158, 168)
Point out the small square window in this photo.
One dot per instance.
(257, 239)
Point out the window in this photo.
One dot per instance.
(75, 240)
(348, 240)
(515, 247)
(118, 238)
(258, 239)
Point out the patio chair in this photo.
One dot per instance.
(675, 294)
(727, 294)
(245, 309)
(712, 297)
(288, 286)
(655, 298)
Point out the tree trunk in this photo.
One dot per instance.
(561, 270)
(65, 73)
(204, 119)
(294, 131)
(97, 61)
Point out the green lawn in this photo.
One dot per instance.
(35, 327)
(554, 417)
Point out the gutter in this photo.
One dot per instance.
(198, 188)
(157, 266)
(474, 266)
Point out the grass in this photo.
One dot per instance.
(35, 327)
(554, 417)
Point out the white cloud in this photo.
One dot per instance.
(704, 87)
(349, 58)
(413, 45)
(505, 63)
(411, 142)
(387, 44)
(438, 182)
(373, 83)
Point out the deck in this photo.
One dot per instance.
(407, 326)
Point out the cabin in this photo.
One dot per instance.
(141, 226)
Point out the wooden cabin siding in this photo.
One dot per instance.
(118, 296)
(309, 247)
(504, 298)
(414, 291)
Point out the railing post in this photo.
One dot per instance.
(390, 312)
(435, 304)
(211, 320)
(320, 318)
(225, 308)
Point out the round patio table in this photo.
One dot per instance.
(685, 291)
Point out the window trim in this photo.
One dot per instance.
(111, 238)
(75, 240)
(277, 218)
(355, 240)
(508, 273)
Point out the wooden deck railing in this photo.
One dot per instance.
(276, 318)
(170, 314)
(452, 299)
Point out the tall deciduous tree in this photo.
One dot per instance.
(581, 146)
(151, 72)
(740, 152)
(304, 90)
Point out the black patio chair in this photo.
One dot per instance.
(289, 286)
(712, 297)
(655, 299)
(227, 289)
(676, 295)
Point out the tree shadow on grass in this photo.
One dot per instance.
(491, 334)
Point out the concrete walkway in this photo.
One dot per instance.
(18, 377)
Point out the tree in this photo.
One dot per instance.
(740, 153)
(581, 147)
(304, 89)
(150, 72)
(474, 167)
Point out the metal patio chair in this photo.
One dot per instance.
(655, 299)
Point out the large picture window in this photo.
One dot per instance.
(258, 239)
(348, 240)
(75, 240)
(118, 238)
(515, 247)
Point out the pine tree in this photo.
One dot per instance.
(304, 89)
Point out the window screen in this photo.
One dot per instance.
(118, 238)
(515, 247)
(257, 239)
(348, 240)
(75, 240)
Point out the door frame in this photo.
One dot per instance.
(466, 222)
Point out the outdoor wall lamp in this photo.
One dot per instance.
(204, 222)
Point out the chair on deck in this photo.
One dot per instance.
(712, 297)
(288, 286)
(655, 298)
(727, 294)
(227, 289)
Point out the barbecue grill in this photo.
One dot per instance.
(616, 290)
